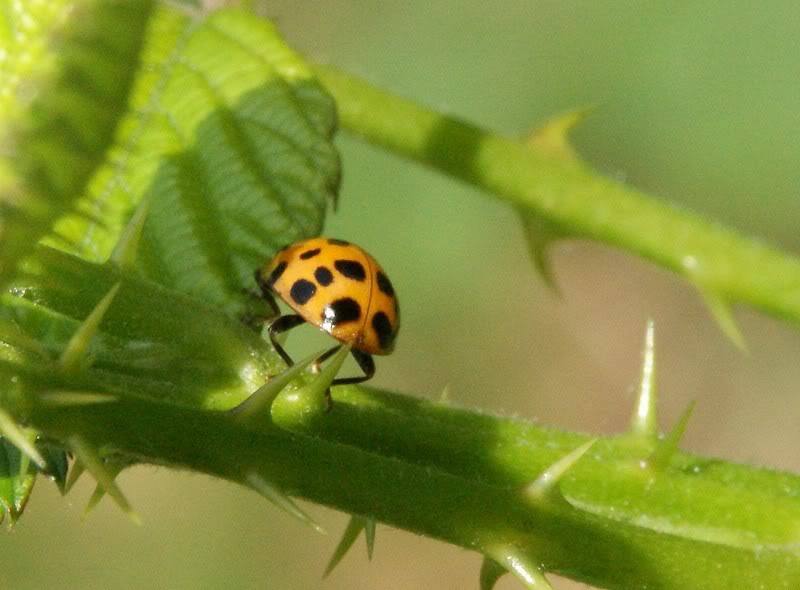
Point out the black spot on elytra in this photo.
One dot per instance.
(302, 290)
(336, 242)
(385, 285)
(277, 272)
(352, 269)
(310, 253)
(323, 275)
(344, 310)
(383, 329)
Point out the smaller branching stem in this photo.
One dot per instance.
(577, 200)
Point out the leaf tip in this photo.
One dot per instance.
(127, 247)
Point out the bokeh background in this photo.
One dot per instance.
(695, 102)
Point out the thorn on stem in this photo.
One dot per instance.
(281, 500)
(77, 347)
(61, 399)
(260, 401)
(369, 536)
(644, 421)
(491, 572)
(547, 485)
(540, 235)
(552, 137)
(105, 478)
(16, 436)
(668, 446)
(521, 565)
(349, 536)
(74, 474)
(723, 314)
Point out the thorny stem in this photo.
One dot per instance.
(571, 197)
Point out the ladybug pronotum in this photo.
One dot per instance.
(339, 288)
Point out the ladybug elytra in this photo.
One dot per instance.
(339, 288)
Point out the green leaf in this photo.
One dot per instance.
(66, 71)
(57, 464)
(230, 142)
(17, 475)
(15, 488)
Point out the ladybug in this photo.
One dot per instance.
(339, 288)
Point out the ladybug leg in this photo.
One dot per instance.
(283, 324)
(266, 295)
(367, 365)
(256, 319)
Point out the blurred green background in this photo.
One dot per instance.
(696, 102)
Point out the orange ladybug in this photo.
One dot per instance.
(339, 288)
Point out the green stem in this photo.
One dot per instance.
(572, 197)
(358, 461)
(448, 473)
